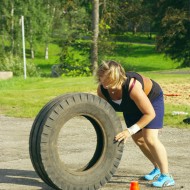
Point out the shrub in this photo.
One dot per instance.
(9, 62)
(74, 63)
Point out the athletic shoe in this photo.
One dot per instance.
(153, 175)
(164, 181)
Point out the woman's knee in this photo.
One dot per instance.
(139, 141)
(151, 137)
(151, 141)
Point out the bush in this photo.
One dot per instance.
(15, 64)
(74, 63)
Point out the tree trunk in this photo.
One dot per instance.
(12, 28)
(46, 52)
(3, 42)
(95, 30)
(31, 50)
(134, 29)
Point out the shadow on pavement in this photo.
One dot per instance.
(22, 177)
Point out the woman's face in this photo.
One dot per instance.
(108, 84)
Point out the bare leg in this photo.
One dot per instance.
(156, 148)
(139, 140)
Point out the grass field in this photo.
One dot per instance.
(135, 53)
(25, 98)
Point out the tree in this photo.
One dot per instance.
(2, 32)
(174, 35)
(10, 23)
(95, 30)
(129, 15)
(70, 26)
(150, 11)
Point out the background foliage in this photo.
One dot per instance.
(67, 25)
(144, 35)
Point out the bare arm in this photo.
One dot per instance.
(143, 103)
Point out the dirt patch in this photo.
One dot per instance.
(17, 173)
(177, 94)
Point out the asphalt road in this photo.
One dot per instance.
(17, 172)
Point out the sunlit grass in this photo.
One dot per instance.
(134, 52)
(142, 57)
(45, 64)
(25, 98)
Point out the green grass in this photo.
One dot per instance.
(138, 53)
(25, 98)
(176, 120)
(141, 57)
(40, 61)
(140, 38)
(135, 52)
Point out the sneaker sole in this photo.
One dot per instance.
(166, 184)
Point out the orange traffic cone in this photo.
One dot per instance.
(134, 185)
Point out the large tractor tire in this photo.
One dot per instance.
(45, 132)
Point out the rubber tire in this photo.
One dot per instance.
(44, 135)
(35, 135)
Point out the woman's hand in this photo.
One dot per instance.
(123, 136)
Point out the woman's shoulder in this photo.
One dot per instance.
(132, 74)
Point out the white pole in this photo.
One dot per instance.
(23, 45)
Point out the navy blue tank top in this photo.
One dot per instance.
(127, 104)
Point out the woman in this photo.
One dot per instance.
(141, 101)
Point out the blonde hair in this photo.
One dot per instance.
(112, 71)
